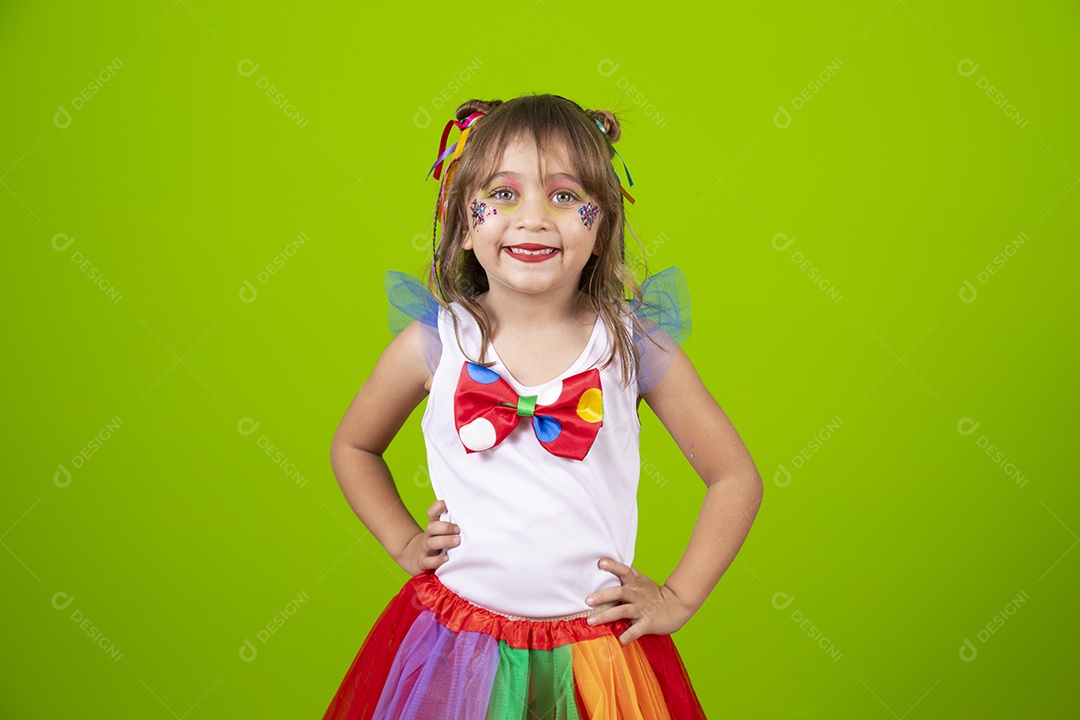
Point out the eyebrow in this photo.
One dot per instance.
(516, 176)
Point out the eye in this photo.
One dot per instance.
(564, 196)
(504, 194)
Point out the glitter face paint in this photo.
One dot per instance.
(588, 214)
(479, 210)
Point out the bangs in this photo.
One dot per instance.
(551, 127)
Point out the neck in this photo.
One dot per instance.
(512, 309)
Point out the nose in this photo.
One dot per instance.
(534, 214)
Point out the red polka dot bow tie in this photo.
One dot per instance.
(486, 411)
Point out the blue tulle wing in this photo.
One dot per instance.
(409, 300)
(665, 317)
(666, 302)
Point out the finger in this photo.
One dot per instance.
(430, 562)
(437, 509)
(615, 594)
(440, 527)
(438, 543)
(633, 633)
(627, 611)
(616, 568)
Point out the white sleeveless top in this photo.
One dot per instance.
(533, 524)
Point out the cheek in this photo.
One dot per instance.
(479, 212)
(588, 214)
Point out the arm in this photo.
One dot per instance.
(734, 492)
(399, 381)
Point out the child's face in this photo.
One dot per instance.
(533, 234)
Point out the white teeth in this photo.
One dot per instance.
(522, 251)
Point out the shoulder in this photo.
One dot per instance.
(397, 384)
(679, 392)
(679, 395)
(679, 375)
(655, 352)
(403, 360)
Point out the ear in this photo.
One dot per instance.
(467, 245)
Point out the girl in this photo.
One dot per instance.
(523, 601)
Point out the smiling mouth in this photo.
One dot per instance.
(531, 253)
(519, 250)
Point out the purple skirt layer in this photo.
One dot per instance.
(457, 685)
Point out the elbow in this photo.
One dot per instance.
(343, 447)
(753, 491)
(747, 486)
(757, 489)
(752, 484)
(338, 445)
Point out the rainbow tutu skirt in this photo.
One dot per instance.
(432, 655)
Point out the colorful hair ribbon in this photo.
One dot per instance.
(444, 169)
(445, 164)
(626, 170)
(464, 126)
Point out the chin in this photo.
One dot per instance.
(527, 286)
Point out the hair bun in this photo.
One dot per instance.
(610, 123)
(468, 107)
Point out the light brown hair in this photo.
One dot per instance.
(550, 121)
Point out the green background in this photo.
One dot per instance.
(888, 540)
